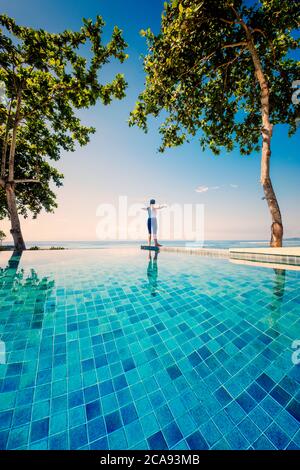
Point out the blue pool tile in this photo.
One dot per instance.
(157, 442)
(120, 382)
(271, 406)
(40, 410)
(78, 436)
(129, 413)
(113, 421)
(143, 406)
(294, 409)
(196, 441)
(182, 445)
(128, 364)
(25, 397)
(260, 418)
(263, 443)
(174, 372)
(7, 401)
(75, 399)
(292, 446)
(124, 396)
(223, 423)
(249, 430)
(109, 403)
(186, 424)
(58, 422)
(177, 407)
(223, 396)
(5, 419)
(22, 415)
(117, 440)
(277, 436)
(134, 433)
(149, 424)
(91, 393)
(100, 444)
(280, 395)
(77, 416)
(256, 392)
(236, 440)
(3, 439)
(211, 433)
(14, 369)
(58, 441)
(222, 444)
(156, 399)
(96, 429)
(40, 445)
(106, 387)
(194, 359)
(172, 434)
(199, 415)
(265, 382)
(18, 437)
(39, 429)
(287, 423)
(93, 409)
(246, 402)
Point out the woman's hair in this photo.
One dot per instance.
(152, 201)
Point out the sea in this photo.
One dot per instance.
(82, 244)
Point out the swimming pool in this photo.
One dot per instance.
(107, 349)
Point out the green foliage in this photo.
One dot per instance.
(53, 80)
(201, 73)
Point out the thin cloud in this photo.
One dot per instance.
(204, 189)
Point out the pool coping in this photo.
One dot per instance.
(269, 257)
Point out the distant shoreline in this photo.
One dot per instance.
(219, 244)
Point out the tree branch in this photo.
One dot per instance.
(27, 180)
(242, 43)
(11, 163)
(4, 149)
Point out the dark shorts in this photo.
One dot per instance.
(152, 226)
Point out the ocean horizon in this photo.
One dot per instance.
(101, 244)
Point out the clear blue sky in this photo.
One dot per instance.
(124, 161)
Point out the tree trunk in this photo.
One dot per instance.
(267, 128)
(14, 218)
(270, 196)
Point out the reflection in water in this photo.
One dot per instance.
(26, 293)
(278, 293)
(152, 273)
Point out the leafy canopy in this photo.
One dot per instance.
(53, 80)
(200, 71)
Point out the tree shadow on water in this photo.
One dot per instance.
(23, 296)
(278, 294)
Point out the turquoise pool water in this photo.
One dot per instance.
(106, 349)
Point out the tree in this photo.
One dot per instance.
(224, 67)
(2, 237)
(46, 80)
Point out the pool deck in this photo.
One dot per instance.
(269, 257)
(286, 255)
